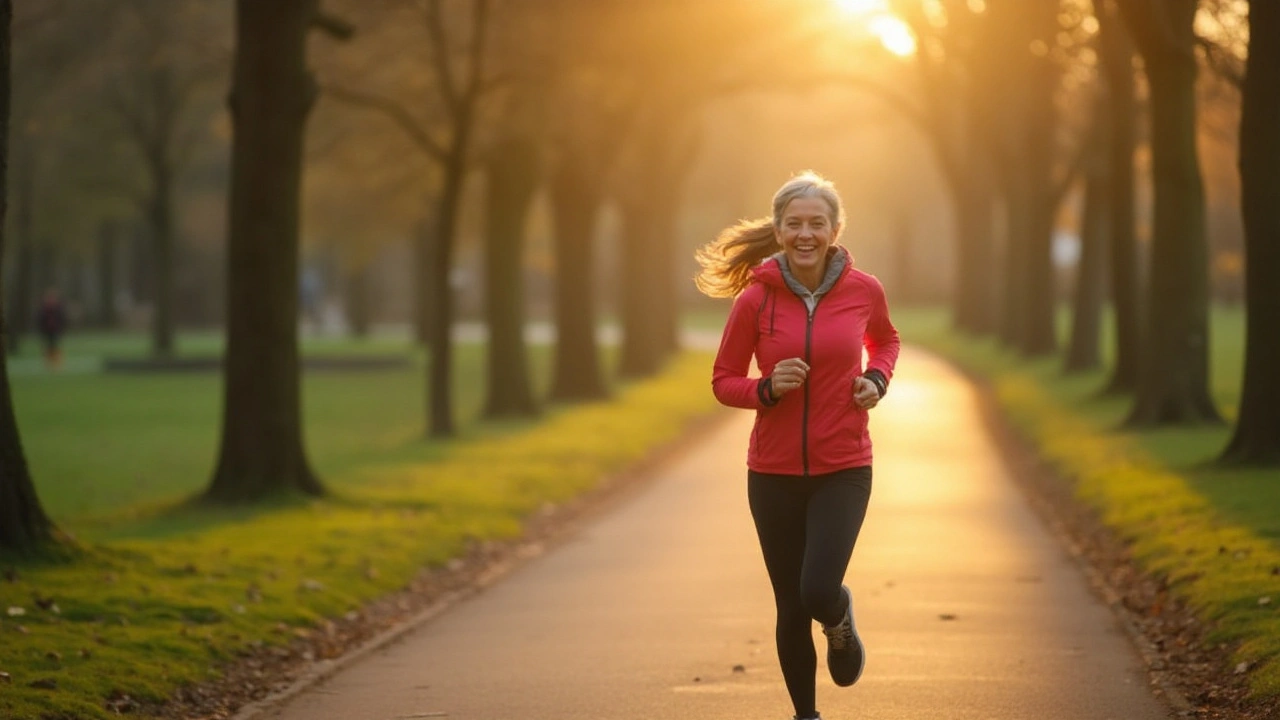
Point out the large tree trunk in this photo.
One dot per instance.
(1090, 289)
(512, 182)
(108, 234)
(440, 422)
(1256, 440)
(272, 93)
(23, 523)
(575, 200)
(1117, 67)
(1174, 384)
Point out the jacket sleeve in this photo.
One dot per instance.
(881, 340)
(729, 381)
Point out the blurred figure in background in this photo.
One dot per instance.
(805, 313)
(51, 323)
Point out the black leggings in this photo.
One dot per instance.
(807, 529)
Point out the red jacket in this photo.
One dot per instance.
(816, 428)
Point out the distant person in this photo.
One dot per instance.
(805, 313)
(51, 323)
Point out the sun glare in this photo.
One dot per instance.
(893, 33)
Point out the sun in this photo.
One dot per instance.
(894, 34)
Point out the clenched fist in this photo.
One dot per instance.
(787, 375)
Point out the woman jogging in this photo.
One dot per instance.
(806, 314)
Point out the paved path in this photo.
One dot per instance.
(645, 613)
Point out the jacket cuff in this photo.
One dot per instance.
(764, 389)
(877, 378)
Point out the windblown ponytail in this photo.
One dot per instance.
(727, 261)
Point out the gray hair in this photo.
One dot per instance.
(808, 184)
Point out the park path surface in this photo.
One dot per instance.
(660, 608)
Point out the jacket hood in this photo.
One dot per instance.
(775, 272)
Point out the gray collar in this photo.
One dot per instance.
(836, 261)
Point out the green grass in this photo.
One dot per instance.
(1212, 532)
(163, 592)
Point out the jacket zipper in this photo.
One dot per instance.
(804, 425)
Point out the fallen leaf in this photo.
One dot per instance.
(1242, 668)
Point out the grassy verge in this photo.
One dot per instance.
(163, 593)
(1212, 532)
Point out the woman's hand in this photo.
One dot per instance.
(865, 393)
(787, 375)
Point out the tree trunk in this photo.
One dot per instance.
(1086, 315)
(20, 316)
(975, 301)
(424, 249)
(108, 232)
(160, 217)
(971, 179)
(272, 93)
(1256, 440)
(1174, 384)
(649, 304)
(1037, 336)
(1117, 68)
(357, 301)
(23, 523)
(575, 200)
(642, 350)
(513, 180)
(440, 345)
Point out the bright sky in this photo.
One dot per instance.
(893, 34)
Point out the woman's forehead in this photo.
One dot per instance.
(806, 207)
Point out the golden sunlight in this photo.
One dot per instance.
(893, 33)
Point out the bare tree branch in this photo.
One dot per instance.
(394, 111)
(440, 59)
(333, 26)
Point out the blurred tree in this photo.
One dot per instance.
(1173, 385)
(1116, 58)
(23, 522)
(513, 173)
(51, 44)
(1090, 283)
(459, 79)
(955, 63)
(1026, 39)
(272, 94)
(1256, 440)
(165, 55)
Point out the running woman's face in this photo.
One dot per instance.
(805, 233)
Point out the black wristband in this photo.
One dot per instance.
(764, 389)
(877, 378)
